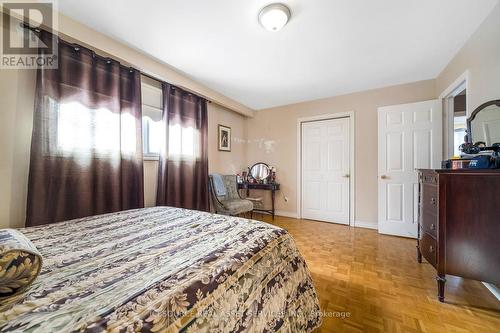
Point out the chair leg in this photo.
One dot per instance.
(251, 214)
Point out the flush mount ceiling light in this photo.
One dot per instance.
(274, 16)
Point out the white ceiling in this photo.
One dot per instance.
(330, 47)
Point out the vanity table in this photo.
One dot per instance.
(459, 212)
(260, 177)
(273, 187)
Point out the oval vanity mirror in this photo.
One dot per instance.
(483, 126)
(260, 171)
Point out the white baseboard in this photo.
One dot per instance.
(493, 289)
(366, 225)
(286, 214)
(357, 224)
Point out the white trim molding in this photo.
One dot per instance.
(357, 223)
(366, 224)
(452, 88)
(352, 172)
(285, 214)
(493, 289)
(461, 83)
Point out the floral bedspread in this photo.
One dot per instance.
(164, 269)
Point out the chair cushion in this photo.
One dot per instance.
(231, 187)
(20, 262)
(238, 206)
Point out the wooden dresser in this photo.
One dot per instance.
(459, 224)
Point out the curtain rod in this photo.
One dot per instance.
(152, 77)
(38, 30)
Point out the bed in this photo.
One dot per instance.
(164, 269)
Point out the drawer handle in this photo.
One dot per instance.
(431, 249)
(433, 226)
(430, 179)
(433, 201)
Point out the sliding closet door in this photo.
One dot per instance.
(325, 170)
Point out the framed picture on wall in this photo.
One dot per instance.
(224, 138)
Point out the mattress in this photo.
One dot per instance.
(164, 269)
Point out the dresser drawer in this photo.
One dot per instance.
(429, 177)
(429, 222)
(428, 248)
(429, 199)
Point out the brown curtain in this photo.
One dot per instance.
(183, 167)
(86, 148)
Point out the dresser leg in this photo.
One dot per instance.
(441, 281)
(419, 255)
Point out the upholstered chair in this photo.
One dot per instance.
(231, 203)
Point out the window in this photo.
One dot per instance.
(152, 135)
(152, 128)
(183, 141)
(83, 131)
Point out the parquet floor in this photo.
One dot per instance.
(376, 279)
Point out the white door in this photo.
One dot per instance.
(409, 138)
(325, 170)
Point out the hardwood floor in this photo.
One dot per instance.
(376, 279)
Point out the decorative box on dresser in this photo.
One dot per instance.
(459, 224)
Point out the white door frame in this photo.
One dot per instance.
(352, 169)
(461, 83)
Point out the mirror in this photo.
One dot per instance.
(260, 171)
(483, 126)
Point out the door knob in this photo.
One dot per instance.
(347, 176)
(384, 177)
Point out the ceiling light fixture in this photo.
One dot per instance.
(275, 16)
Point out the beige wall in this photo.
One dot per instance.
(141, 61)
(150, 182)
(17, 89)
(224, 162)
(74, 31)
(218, 161)
(272, 133)
(272, 137)
(480, 56)
(16, 120)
